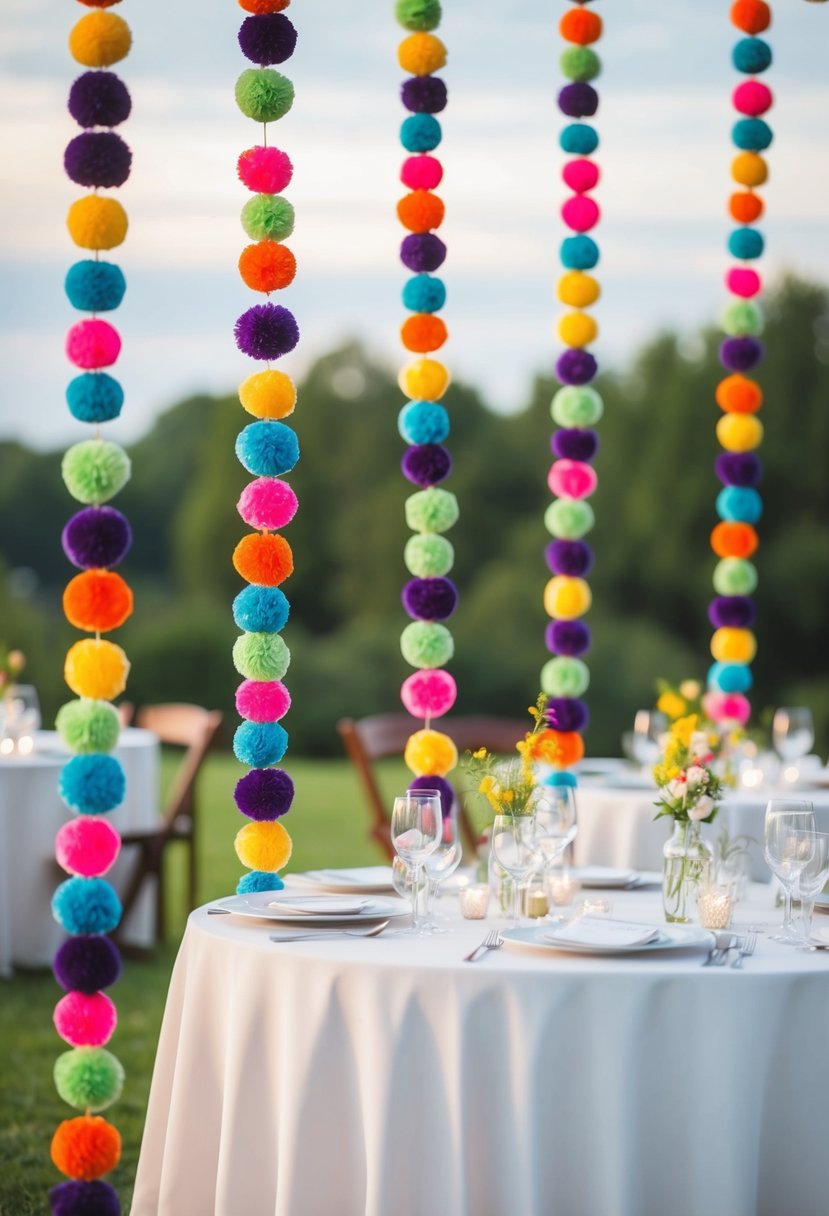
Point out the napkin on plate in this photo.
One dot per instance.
(321, 905)
(604, 931)
(605, 876)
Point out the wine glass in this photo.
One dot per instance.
(793, 733)
(648, 725)
(555, 822)
(416, 830)
(515, 848)
(811, 880)
(785, 817)
(439, 865)
(22, 713)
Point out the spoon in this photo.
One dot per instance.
(372, 931)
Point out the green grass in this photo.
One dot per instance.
(328, 824)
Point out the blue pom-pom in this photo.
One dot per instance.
(745, 243)
(259, 744)
(261, 610)
(739, 503)
(423, 422)
(95, 286)
(267, 449)
(751, 55)
(730, 677)
(94, 397)
(258, 880)
(424, 293)
(579, 139)
(579, 253)
(420, 133)
(558, 777)
(752, 134)
(86, 905)
(92, 785)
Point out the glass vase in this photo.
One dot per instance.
(685, 863)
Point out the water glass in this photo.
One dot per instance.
(21, 716)
(439, 865)
(648, 725)
(515, 848)
(555, 822)
(787, 825)
(416, 831)
(810, 882)
(793, 733)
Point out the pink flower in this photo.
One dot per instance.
(702, 808)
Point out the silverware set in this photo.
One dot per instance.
(724, 943)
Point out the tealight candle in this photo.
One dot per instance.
(715, 909)
(562, 890)
(537, 904)
(474, 900)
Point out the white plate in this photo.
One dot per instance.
(360, 880)
(822, 902)
(673, 937)
(605, 878)
(256, 905)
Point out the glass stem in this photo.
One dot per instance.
(807, 907)
(514, 904)
(416, 922)
(788, 926)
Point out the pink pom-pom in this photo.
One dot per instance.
(580, 175)
(580, 213)
(421, 172)
(742, 282)
(267, 503)
(87, 846)
(93, 344)
(572, 479)
(752, 97)
(262, 700)
(85, 1020)
(264, 170)
(429, 694)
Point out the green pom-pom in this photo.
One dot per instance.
(576, 406)
(95, 470)
(580, 63)
(261, 656)
(418, 14)
(428, 556)
(569, 518)
(263, 94)
(565, 677)
(742, 318)
(733, 576)
(426, 644)
(88, 726)
(268, 217)
(431, 510)
(89, 1078)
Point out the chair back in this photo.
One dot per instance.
(190, 727)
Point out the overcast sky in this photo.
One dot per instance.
(664, 120)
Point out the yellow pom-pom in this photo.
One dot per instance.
(268, 394)
(421, 54)
(263, 845)
(749, 169)
(96, 669)
(424, 380)
(99, 40)
(566, 598)
(740, 432)
(577, 329)
(429, 753)
(733, 645)
(95, 222)
(577, 289)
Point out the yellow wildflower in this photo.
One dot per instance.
(690, 689)
(672, 705)
(488, 784)
(508, 796)
(480, 754)
(683, 728)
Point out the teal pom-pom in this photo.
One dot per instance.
(745, 243)
(576, 405)
(423, 422)
(260, 744)
(95, 470)
(94, 397)
(418, 15)
(426, 644)
(739, 503)
(752, 134)
(751, 55)
(431, 510)
(565, 677)
(579, 253)
(569, 519)
(579, 139)
(263, 94)
(261, 656)
(267, 449)
(428, 556)
(86, 905)
(424, 293)
(258, 880)
(742, 318)
(580, 63)
(420, 133)
(268, 217)
(92, 784)
(730, 677)
(559, 777)
(261, 609)
(89, 1078)
(88, 726)
(95, 286)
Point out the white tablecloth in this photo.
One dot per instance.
(386, 1077)
(31, 812)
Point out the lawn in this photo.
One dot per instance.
(328, 823)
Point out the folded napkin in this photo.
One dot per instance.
(360, 876)
(321, 905)
(604, 931)
(605, 876)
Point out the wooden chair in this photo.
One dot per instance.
(194, 729)
(383, 735)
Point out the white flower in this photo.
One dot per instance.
(675, 789)
(696, 775)
(699, 743)
(702, 808)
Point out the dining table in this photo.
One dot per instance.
(387, 1076)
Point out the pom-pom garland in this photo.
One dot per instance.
(261, 656)
(430, 599)
(96, 668)
(95, 537)
(100, 39)
(97, 158)
(264, 170)
(95, 286)
(259, 744)
(267, 38)
(263, 846)
(97, 601)
(86, 1147)
(268, 217)
(92, 784)
(264, 794)
(267, 448)
(95, 470)
(85, 1019)
(87, 847)
(99, 99)
(266, 331)
(263, 559)
(424, 94)
(86, 905)
(430, 753)
(262, 700)
(429, 694)
(84, 1198)
(88, 726)
(258, 880)
(261, 609)
(95, 222)
(426, 464)
(87, 964)
(267, 266)
(89, 1078)
(93, 344)
(263, 94)
(433, 782)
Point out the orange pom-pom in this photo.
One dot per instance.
(420, 211)
(745, 207)
(749, 169)
(753, 16)
(734, 540)
(263, 559)
(423, 332)
(267, 266)
(97, 601)
(86, 1147)
(739, 395)
(557, 747)
(581, 26)
(263, 6)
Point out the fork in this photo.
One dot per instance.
(491, 942)
(748, 947)
(723, 942)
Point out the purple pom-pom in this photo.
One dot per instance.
(572, 558)
(430, 599)
(447, 794)
(741, 354)
(732, 612)
(738, 468)
(264, 793)
(570, 638)
(269, 38)
(266, 331)
(422, 251)
(87, 963)
(84, 1199)
(567, 713)
(426, 464)
(97, 158)
(579, 100)
(579, 443)
(96, 537)
(424, 94)
(99, 99)
(576, 367)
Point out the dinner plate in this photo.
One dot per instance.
(672, 937)
(605, 878)
(357, 880)
(822, 902)
(264, 905)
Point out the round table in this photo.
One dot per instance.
(31, 812)
(386, 1077)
